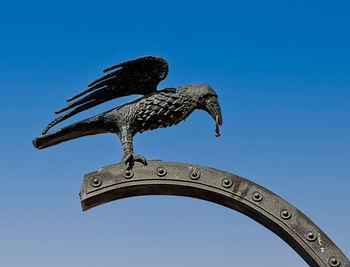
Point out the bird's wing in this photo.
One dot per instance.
(138, 76)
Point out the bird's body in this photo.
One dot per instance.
(158, 109)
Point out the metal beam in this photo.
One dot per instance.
(168, 178)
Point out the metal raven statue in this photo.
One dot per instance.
(156, 109)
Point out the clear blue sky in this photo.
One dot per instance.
(282, 72)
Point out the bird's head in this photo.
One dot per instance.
(204, 97)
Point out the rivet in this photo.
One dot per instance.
(334, 262)
(128, 174)
(226, 182)
(310, 236)
(285, 214)
(257, 196)
(195, 174)
(161, 171)
(95, 181)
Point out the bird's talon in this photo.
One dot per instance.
(128, 159)
(131, 157)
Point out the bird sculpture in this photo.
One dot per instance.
(155, 109)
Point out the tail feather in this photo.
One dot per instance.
(89, 126)
(72, 112)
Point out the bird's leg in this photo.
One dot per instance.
(128, 151)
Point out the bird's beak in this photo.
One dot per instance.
(213, 108)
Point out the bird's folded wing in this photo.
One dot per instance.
(138, 76)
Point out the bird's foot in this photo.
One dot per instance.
(131, 157)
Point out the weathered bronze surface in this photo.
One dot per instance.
(167, 178)
(156, 109)
(165, 108)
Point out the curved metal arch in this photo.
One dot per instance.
(168, 178)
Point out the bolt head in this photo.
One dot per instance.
(95, 181)
(128, 174)
(334, 262)
(257, 196)
(161, 171)
(195, 173)
(285, 214)
(226, 182)
(310, 236)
